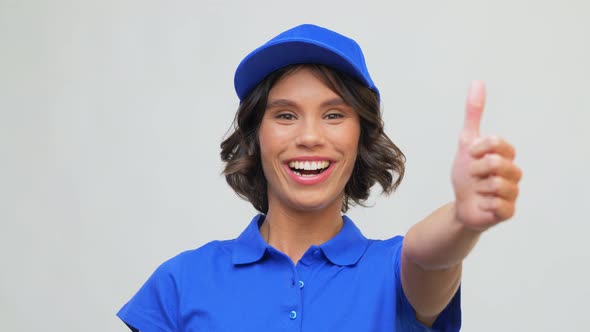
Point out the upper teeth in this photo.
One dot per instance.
(309, 165)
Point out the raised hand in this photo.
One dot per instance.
(484, 176)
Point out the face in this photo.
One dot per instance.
(308, 142)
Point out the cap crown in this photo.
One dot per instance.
(305, 43)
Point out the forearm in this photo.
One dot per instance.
(439, 241)
(432, 253)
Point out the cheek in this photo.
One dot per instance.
(350, 140)
(265, 154)
(265, 141)
(266, 164)
(270, 145)
(353, 146)
(273, 138)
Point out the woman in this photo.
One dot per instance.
(308, 142)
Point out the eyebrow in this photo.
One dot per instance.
(288, 103)
(334, 102)
(280, 103)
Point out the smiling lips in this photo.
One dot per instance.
(309, 172)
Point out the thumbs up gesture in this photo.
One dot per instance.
(484, 176)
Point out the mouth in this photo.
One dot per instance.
(309, 168)
(309, 172)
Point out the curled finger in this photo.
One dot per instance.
(501, 208)
(492, 144)
(495, 164)
(498, 186)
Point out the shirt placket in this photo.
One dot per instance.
(302, 279)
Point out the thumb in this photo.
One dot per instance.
(474, 108)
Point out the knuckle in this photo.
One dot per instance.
(498, 203)
(493, 161)
(518, 172)
(495, 141)
(504, 210)
(495, 183)
(500, 145)
(512, 151)
(516, 191)
(493, 203)
(510, 211)
(474, 168)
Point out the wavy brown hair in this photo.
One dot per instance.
(379, 160)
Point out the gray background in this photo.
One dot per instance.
(111, 115)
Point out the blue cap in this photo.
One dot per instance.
(306, 43)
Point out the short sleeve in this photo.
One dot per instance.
(155, 306)
(449, 319)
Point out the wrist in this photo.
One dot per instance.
(463, 226)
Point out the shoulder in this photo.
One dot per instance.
(212, 251)
(382, 254)
(157, 301)
(391, 245)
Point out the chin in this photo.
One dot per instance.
(311, 204)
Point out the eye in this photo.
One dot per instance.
(285, 116)
(334, 116)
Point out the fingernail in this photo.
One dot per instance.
(477, 93)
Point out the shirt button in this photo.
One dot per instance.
(301, 284)
(293, 314)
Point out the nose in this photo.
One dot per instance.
(310, 134)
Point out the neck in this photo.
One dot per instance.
(293, 231)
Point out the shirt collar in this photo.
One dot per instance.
(346, 248)
(250, 246)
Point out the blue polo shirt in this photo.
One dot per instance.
(349, 283)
